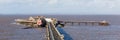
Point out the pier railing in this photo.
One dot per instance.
(53, 33)
(100, 23)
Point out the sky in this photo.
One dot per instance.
(60, 7)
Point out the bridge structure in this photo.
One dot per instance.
(54, 34)
(100, 23)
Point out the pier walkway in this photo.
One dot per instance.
(54, 34)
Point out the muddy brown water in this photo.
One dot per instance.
(10, 31)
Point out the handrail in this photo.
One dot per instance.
(51, 36)
(53, 33)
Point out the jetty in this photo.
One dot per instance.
(100, 23)
(52, 31)
(54, 34)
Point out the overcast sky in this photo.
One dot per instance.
(60, 6)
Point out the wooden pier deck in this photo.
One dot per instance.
(53, 33)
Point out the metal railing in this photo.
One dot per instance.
(53, 33)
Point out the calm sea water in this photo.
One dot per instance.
(10, 31)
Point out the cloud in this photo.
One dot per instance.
(89, 3)
(59, 5)
(52, 2)
(14, 1)
(6, 1)
(66, 3)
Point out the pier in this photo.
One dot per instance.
(100, 23)
(53, 33)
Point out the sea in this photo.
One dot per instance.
(10, 31)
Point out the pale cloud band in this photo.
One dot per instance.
(59, 5)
